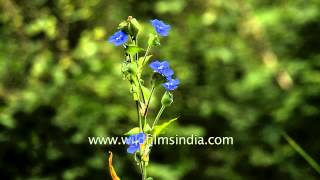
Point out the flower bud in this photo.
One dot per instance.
(134, 26)
(124, 26)
(167, 99)
(131, 26)
(153, 40)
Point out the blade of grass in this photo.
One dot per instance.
(302, 152)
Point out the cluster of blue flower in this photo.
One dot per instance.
(121, 37)
(162, 68)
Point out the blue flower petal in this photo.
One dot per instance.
(118, 38)
(154, 65)
(168, 73)
(132, 149)
(135, 139)
(171, 85)
(162, 68)
(140, 138)
(161, 28)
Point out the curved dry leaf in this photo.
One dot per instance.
(113, 173)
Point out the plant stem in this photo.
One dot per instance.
(302, 153)
(147, 106)
(139, 117)
(141, 91)
(146, 54)
(135, 42)
(144, 172)
(158, 116)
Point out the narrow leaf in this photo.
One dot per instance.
(160, 128)
(132, 131)
(302, 153)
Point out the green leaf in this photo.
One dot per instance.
(133, 49)
(149, 178)
(160, 128)
(132, 131)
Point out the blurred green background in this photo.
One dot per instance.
(249, 69)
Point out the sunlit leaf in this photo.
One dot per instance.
(132, 131)
(132, 49)
(160, 128)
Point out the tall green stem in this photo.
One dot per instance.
(144, 171)
(135, 42)
(139, 116)
(301, 152)
(146, 54)
(147, 106)
(158, 116)
(142, 101)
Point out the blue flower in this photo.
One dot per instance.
(134, 142)
(118, 38)
(161, 28)
(171, 85)
(162, 68)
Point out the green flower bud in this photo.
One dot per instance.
(134, 26)
(153, 40)
(167, 99)
(131, 26)
(124, 26)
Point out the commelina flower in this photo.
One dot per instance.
(162, 68)
(171, 85)
(134, 142)
(118, 38)
(161, 28)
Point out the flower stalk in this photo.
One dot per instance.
(132, 69)
(158, 116)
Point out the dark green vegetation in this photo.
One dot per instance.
(249, 69)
